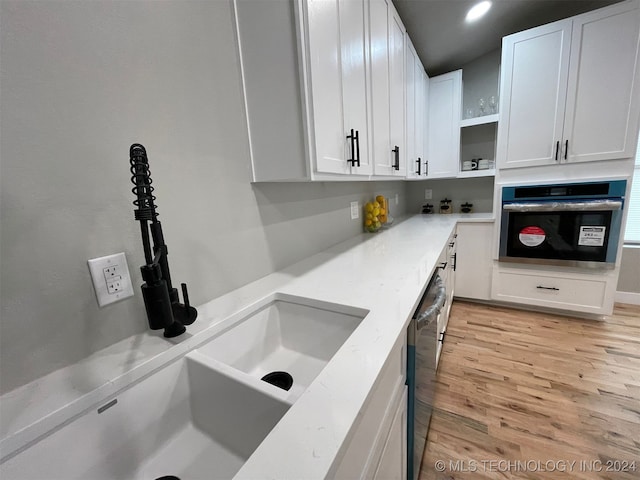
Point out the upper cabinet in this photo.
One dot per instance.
(324, 86)
(387, 50)
(417, 89)
(445, 104)
(336, 47)
(568, 90)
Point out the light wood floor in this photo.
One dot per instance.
(534, 387)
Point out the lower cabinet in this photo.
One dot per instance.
(378, 445)
(447, 264)
(393, 460)
(474, 260)
(588, 292)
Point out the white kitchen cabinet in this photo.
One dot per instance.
(588, 291)
(393, 460)
(306, 86)
(373, 445)
(474, 262)
(416, 84)
(445, 103)
(568, 90)
(447, 265)
(337, 71)
(386, 46)
(410, 110)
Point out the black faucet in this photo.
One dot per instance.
(161, 300)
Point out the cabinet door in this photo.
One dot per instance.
(420, 118)
(474, 261)
(410, 61)
(354, 78)
(393, 460)
(417, 117)
(338, 83)
(533, 89)
(601, 119)
(397, 87)
(425, 139)
(386, 44)
(380, 86)
(445, 98)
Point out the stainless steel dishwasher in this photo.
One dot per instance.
(422, 346)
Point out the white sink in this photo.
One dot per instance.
(203, 414)
(285, 333)
(187, 420)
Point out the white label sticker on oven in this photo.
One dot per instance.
(592, 236)
(532, 236)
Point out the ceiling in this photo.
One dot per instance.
(444, 42)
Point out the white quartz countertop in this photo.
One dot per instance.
(384, 273)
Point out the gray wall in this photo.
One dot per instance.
(481, 79)
(477, 191)
(629, 280)
(81, 81)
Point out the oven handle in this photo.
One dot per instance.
(595, 205)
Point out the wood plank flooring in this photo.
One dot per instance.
(522, 395)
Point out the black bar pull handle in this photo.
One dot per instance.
(419, 162)
(443, 265)
(396, 156)
(566, 149)
(548, 288)
(455, 261)
(358, 147)
(557, 148)
(352, 138)
(426, 168)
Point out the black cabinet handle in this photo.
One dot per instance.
(419, 162)
(548, 288)
(358, 147)
(443, 265)
(396, 152)
(352, 138)
(455, 261)
(426, 168)
(451, 244)
(566, 149)
(557, 148)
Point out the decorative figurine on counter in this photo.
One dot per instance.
(466, 207)
(428, 208)
(445, 206)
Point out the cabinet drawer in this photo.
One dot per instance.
(576, 294)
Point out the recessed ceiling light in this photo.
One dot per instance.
(477, 11)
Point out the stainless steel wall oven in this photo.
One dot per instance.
(573, 224)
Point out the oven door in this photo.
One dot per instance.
(571, 233)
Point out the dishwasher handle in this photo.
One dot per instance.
(431, 312)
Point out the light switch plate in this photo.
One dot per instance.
(111, 279)
(428, 194)
(355, 211)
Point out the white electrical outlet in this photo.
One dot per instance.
(428, 194)
(355, 211)
(397, 199)
(111, 279)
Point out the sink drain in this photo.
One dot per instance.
(280, 379)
